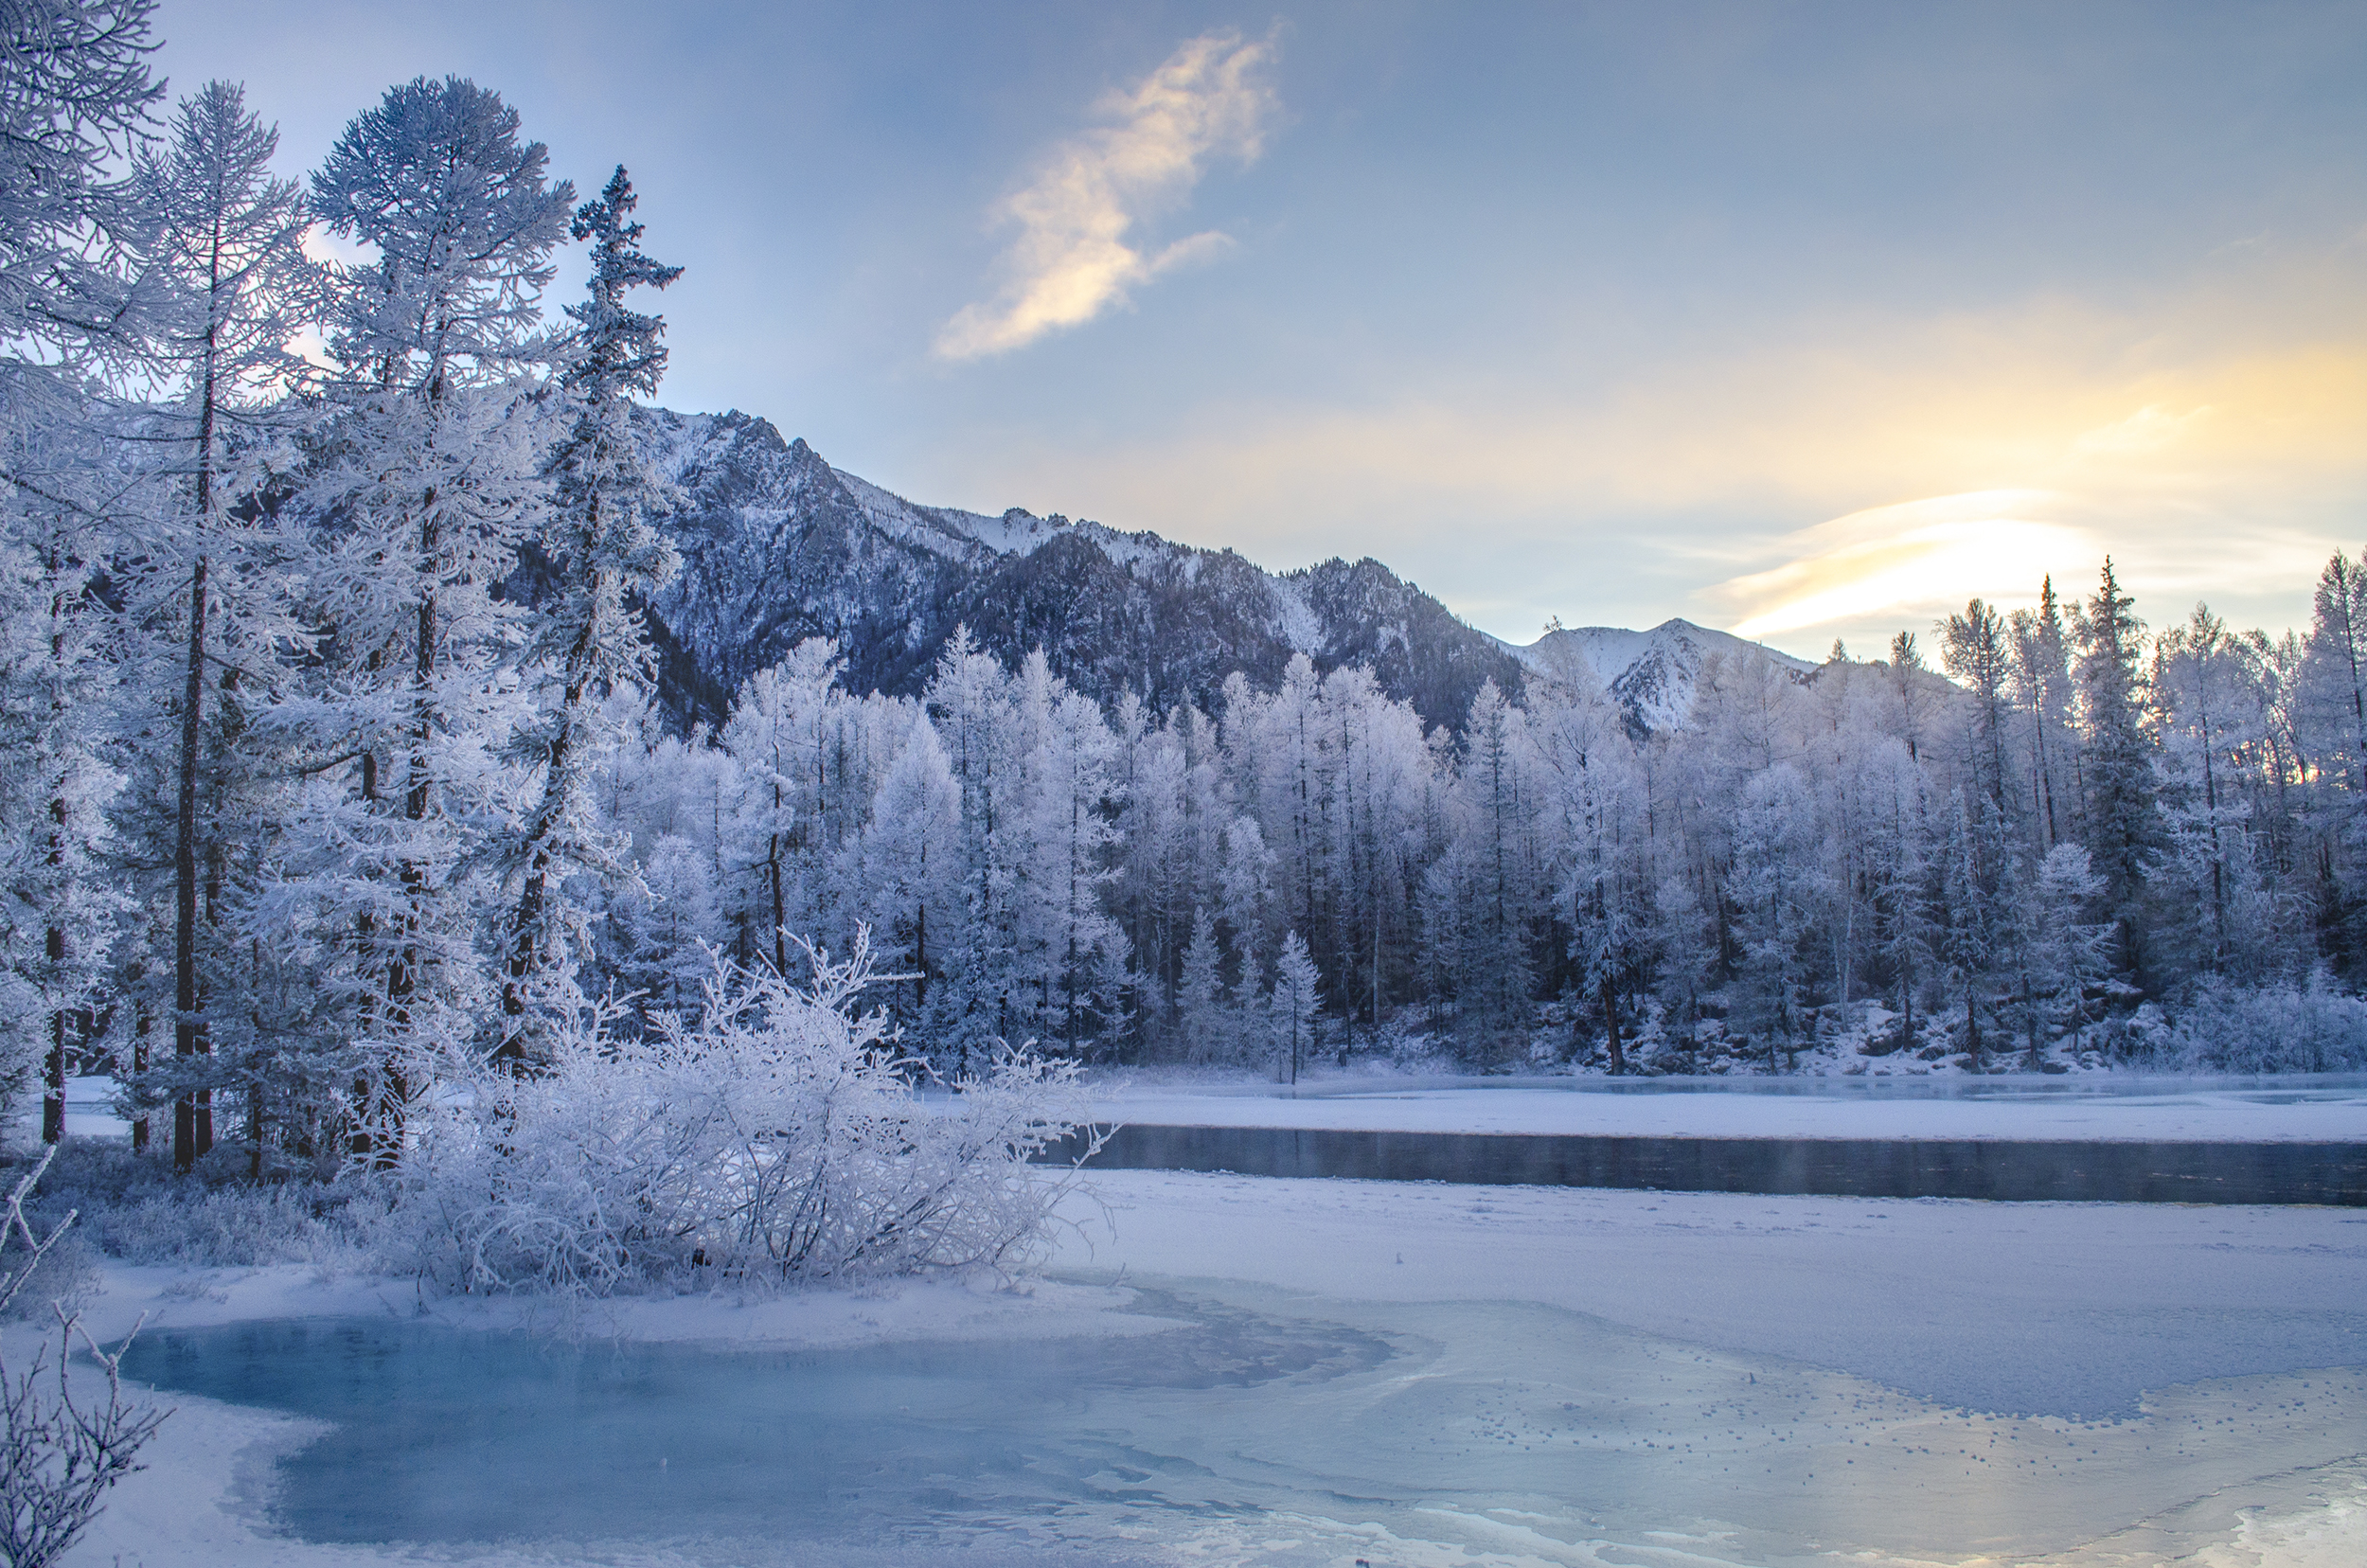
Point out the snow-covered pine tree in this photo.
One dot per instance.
(587, 643)
(1495, 821)
(2123, 813)
(2073, 954)
(1980, 659)
(969, 699)
(429, 481)
(1594, 825)
(2042, 689)
(1975, 890)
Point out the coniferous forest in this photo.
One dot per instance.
(310, 808)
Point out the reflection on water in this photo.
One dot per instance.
(2049, 1171)
(1264, 1428)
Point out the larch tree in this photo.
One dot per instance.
(430, 481)
(1295, 1003)
(76, 105)
(223, 258)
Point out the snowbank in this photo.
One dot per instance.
(2133, 1110)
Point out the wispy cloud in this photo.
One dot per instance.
(1075, 254)
(1915, 558)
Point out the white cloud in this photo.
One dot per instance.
(1912, 559)
(1074, 256)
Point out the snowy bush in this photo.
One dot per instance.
(133, 1206)
(227, 1228)
(2279, 1029)
(777, 1137)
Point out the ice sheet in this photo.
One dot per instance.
(1576, 1376)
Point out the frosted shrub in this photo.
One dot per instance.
(777, 1137)
(2281, 1028)
(225, 1228)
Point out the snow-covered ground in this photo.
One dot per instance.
(2125, 1108)
(1578, 1377)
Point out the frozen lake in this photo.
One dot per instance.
(1264, 1427)
(1305, 1373)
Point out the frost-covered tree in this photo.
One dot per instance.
(1296, 1002)
(1593, 781)
(1980, 659)
(429, 480)
(58, 905)
(587, 643)
(2042, 692)
(1198, 996)
(2072, 954)
(2123, 816)
(910, 857)
(76, 103)
(222, 258)
(1774, 888)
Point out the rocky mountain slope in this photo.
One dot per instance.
(778, 547)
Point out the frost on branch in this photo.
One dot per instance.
(775, 1137)
(58, 1455)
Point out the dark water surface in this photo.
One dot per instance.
(2022, 1170)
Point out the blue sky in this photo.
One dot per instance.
(1808, 320)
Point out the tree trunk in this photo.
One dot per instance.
(192, 1114)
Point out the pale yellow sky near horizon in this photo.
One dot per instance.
(2212, 439)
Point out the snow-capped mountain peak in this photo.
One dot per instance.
(1651, 674)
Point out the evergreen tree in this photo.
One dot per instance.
(2122, 822)
(1979, 658)
(1774, 888)
(586, 641)
(2074, 954)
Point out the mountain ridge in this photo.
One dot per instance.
(779, 545)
